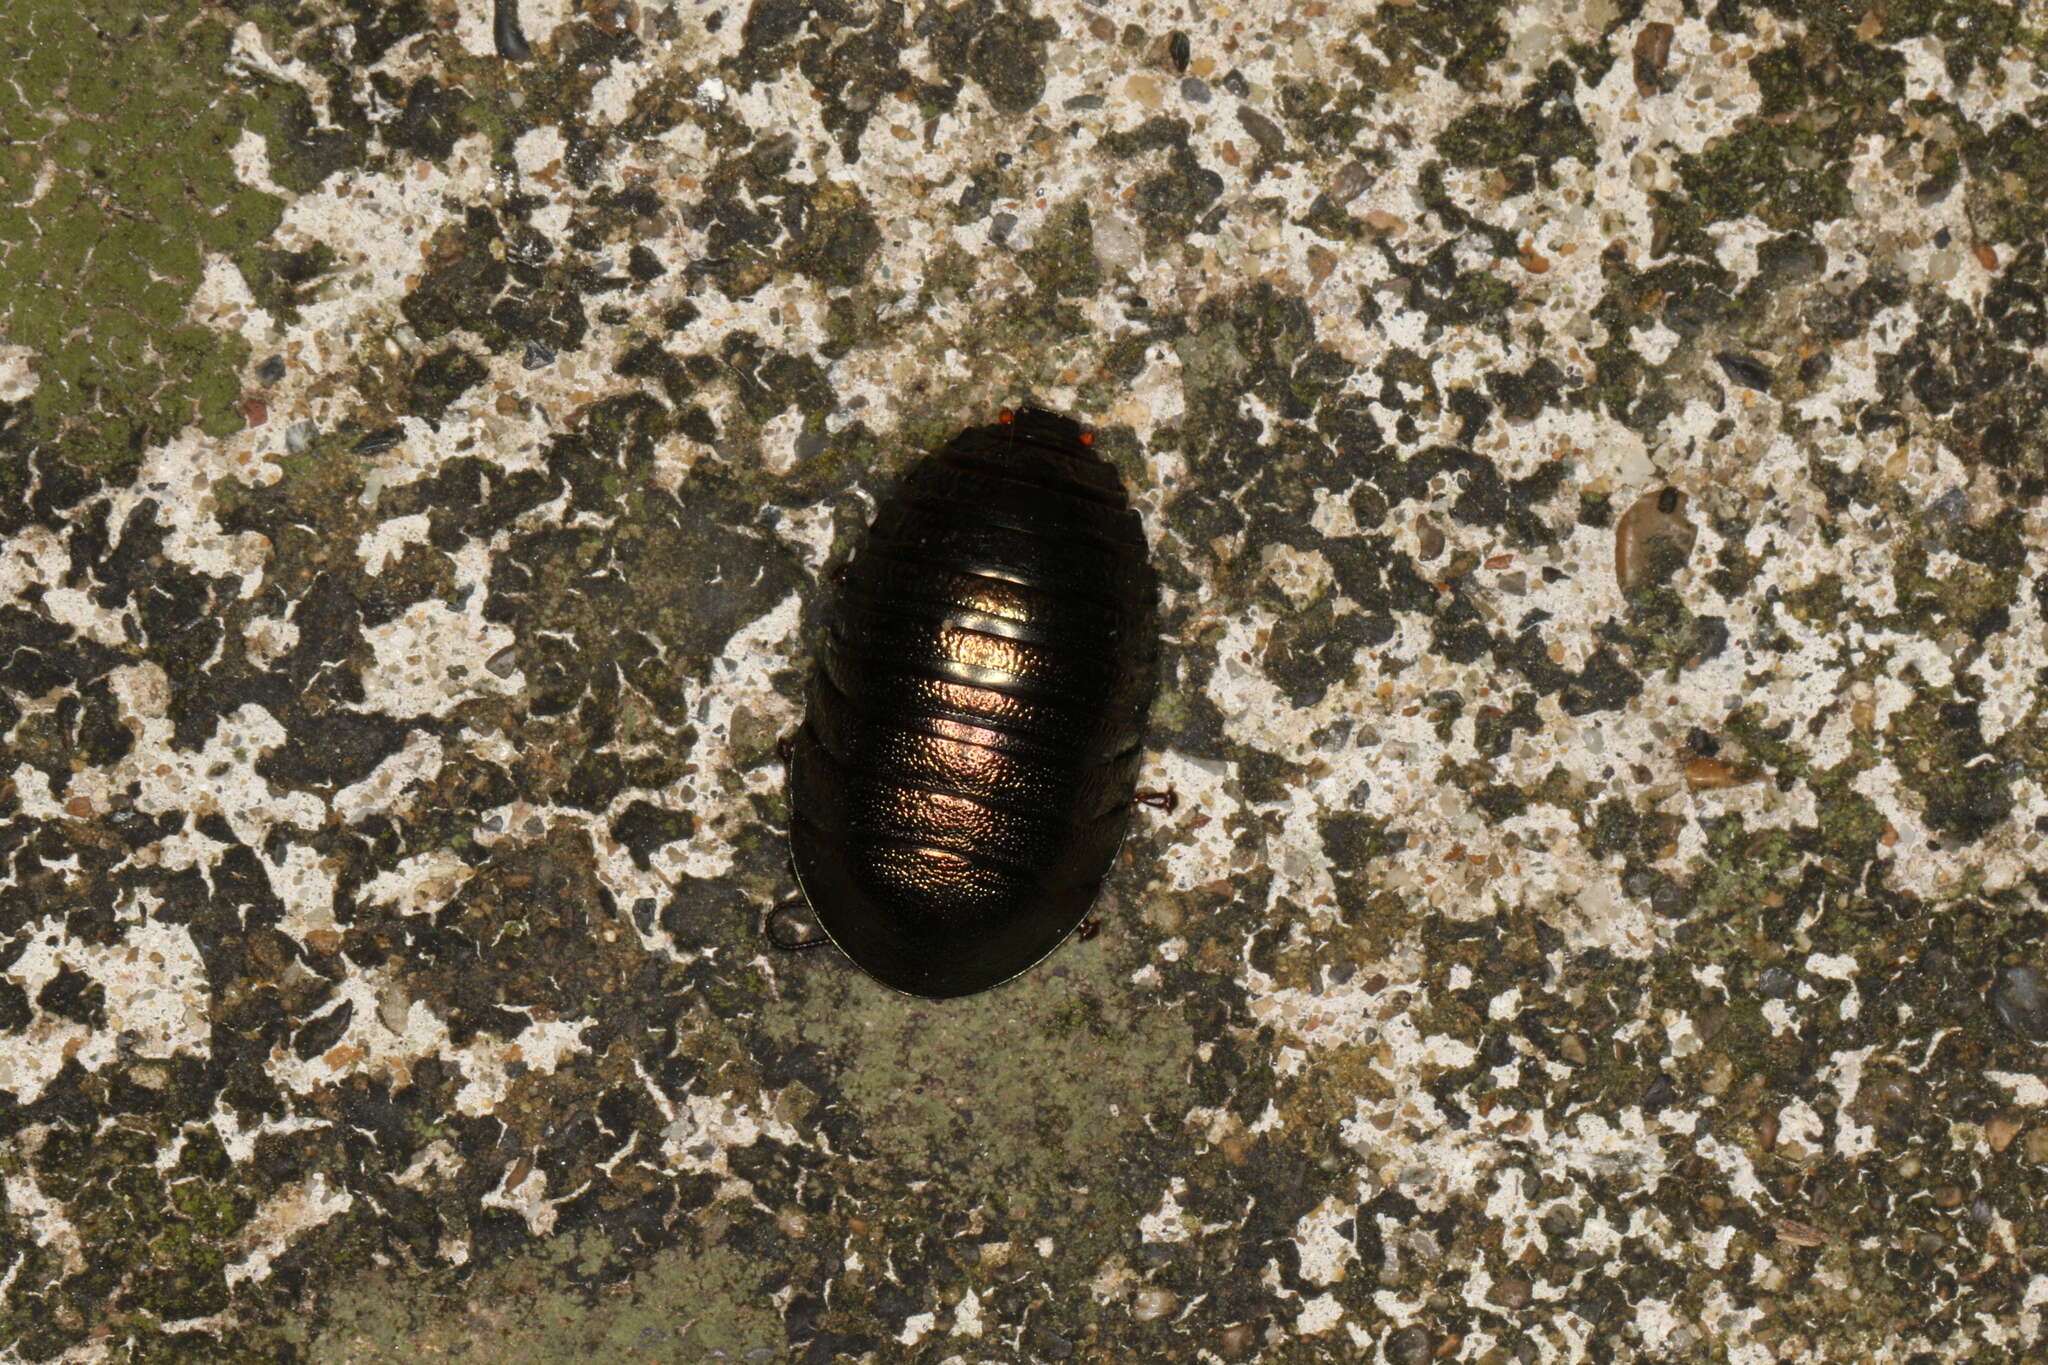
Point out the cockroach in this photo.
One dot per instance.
(974, 725)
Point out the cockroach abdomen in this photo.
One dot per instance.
(967, 763)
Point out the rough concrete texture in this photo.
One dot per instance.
(1594, 449)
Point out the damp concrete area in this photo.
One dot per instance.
(1593, 454)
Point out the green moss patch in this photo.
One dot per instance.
(114, 183)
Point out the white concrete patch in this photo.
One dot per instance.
(285, 1216)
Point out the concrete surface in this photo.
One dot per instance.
(1594, 449)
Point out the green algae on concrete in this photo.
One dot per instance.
(531, 1310)
(116, 124)
(1030, 1089)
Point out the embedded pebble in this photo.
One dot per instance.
(2021, 1002)
(1352, 179)
(1652, 540)
(1153, 1303)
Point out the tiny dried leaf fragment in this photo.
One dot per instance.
(1652, 541)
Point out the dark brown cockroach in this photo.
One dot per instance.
(969, 755)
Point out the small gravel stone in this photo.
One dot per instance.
(1263, 131)
(1352, 179)
(299, 437)
(2000, 1132)
(2021, 1003)
(1194, 91)
(1052, 1345)
(1153, 1303)
(1745, 370)
(1775, 983)
(538, 356)
(2035, 1145)
(1409, 1346)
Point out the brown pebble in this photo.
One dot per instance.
(1352, 180)
(1653, 540)
(256, 410)
(1534, 261)
(2000, 1131)
(2035, 1145)
(1429, 540)
(1987, 257)
(79, 807)
(1102, 30)
(1510, 1292)
(1653, 56)
(1948, 1196)
(1264, 131)
(1233, 1342)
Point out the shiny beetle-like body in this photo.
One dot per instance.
(968, 759)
